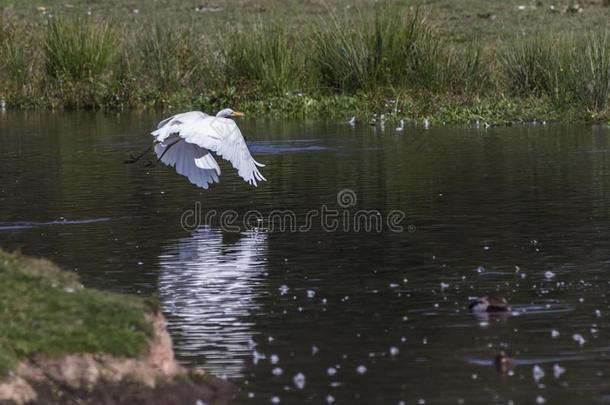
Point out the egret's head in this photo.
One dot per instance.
(228, 113)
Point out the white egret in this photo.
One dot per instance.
(373, 120)
(352, 121)
(401, 127)
(426, 123)
(186, 141)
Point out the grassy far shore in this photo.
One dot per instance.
(453, 62)
(46, 312)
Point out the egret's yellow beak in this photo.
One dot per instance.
(237, 114)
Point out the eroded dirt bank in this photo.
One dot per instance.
(154, 378)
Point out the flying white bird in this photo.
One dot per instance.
(186, 141)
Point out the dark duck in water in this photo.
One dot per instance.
(489, 303)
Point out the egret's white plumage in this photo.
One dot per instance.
(185, 141)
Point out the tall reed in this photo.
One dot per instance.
(266, 55)
(594, 69)
(531, 66)
(167, 56)
(77, 49)
(397, 47)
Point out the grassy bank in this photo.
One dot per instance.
(46, 312)
(456, 62)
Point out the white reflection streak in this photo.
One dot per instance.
(207, 289)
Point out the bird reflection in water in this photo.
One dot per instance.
(208, 287)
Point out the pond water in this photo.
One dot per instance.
(336, 314)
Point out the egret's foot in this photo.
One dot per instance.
(131, 159)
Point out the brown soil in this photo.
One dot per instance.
(100, 379)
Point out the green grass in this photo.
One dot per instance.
(403, 58)
(167, 57)
(45, 311)
(266, 56)
(76, 49)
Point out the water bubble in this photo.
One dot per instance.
(251, 395)
(480, 269)
(311, 293)
(299, 381)
(275, 400)
(554, 333)
(256, 357)
(558, 370)
(537, 373)
(578, 338)
(540, 399)
(277, 371)
(274, 359)
(331, 371)
(284, 289)
(549, 275)
(598, 313)
(330, 399)
(394, 351)
(361, 369)
(444, 286)
(314, 350)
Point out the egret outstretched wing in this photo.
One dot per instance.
(190, 160)
(219, 135)
(222, 136)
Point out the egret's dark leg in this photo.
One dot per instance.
(133, 159)
(150, 164)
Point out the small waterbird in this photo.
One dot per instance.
(187, 141)
(489, 303)
(426, 123)
(401, 127)
(352, 121)
(504, 362)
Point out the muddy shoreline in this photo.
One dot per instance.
(154, 378)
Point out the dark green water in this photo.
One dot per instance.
(484, 210)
